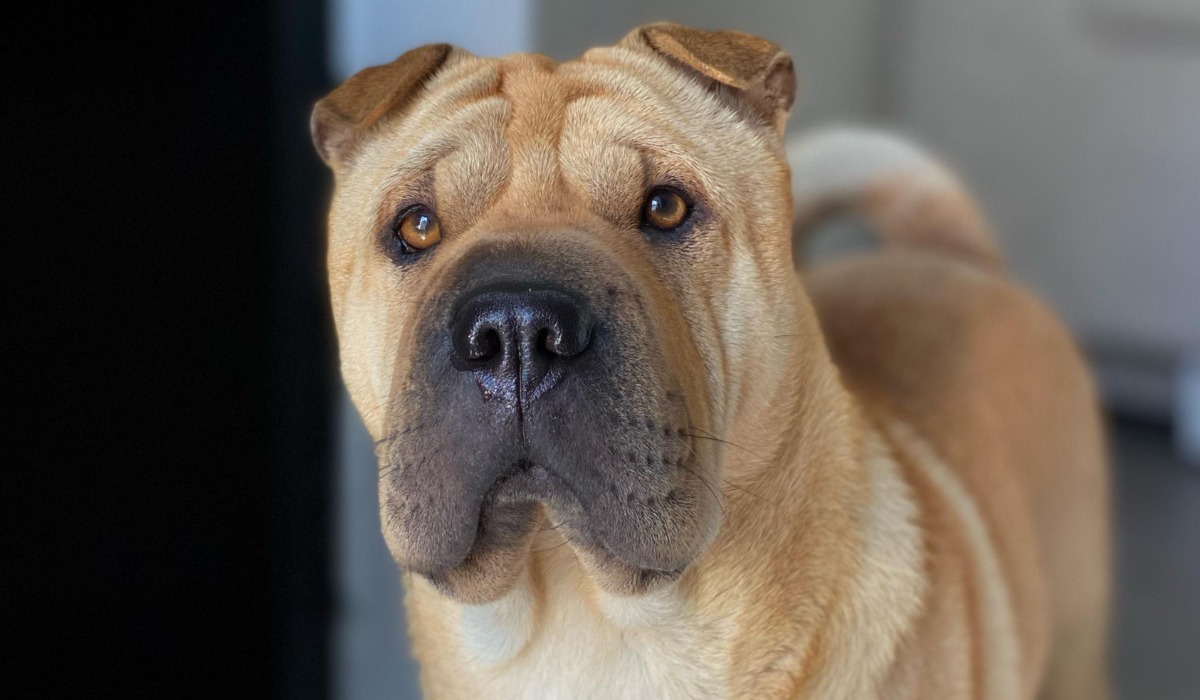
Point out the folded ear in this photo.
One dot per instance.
(340, 121)
(758, 71)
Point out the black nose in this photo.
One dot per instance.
(520, 341)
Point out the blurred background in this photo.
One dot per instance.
(235, 546)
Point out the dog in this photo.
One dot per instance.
(629, 448)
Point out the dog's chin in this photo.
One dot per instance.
(516, 509)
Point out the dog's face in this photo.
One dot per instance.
(553, 286)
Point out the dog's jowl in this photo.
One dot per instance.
(627, 449)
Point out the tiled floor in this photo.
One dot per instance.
(1156, 650)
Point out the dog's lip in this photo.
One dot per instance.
(510, 488)
(528, 482)
(608, 553)
(545, 478)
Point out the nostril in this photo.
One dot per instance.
(564, 342)
(567, 335)
(486, 345)
(546, 340)
(477, 339)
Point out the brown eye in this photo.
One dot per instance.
(419, 229)
(665, 210)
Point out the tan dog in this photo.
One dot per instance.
(628, 454)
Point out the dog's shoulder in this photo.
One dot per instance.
(992, 388)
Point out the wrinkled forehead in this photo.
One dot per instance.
(526, 133)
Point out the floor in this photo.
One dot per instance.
(1156, 633)
(1156, 641)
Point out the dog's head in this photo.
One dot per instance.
(554, 288)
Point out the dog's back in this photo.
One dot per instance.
(991, 411)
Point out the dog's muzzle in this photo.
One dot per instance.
(538, 385)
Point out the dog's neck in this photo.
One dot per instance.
(817, 514)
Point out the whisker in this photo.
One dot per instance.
(710, 436)
(751, 493)
(714, 437)
(725, 442)
(392, 436)
(806, 334)
(566, 540)
(367, 414)
(711, 489)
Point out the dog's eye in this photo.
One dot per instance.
(419, 229)
(665, 210)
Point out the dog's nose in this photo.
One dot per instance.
(519, 342)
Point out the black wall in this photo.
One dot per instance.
(165, 236)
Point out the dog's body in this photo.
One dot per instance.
(891, 480)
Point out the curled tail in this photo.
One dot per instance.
(906, 196)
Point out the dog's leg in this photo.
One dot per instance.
(1077, 671)
(1078, 664)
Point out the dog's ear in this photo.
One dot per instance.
(759, 73)
(340, 121)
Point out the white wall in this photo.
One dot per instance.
(1078, 123)
(370, 32)
(833, 42)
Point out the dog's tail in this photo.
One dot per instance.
(904, 194)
